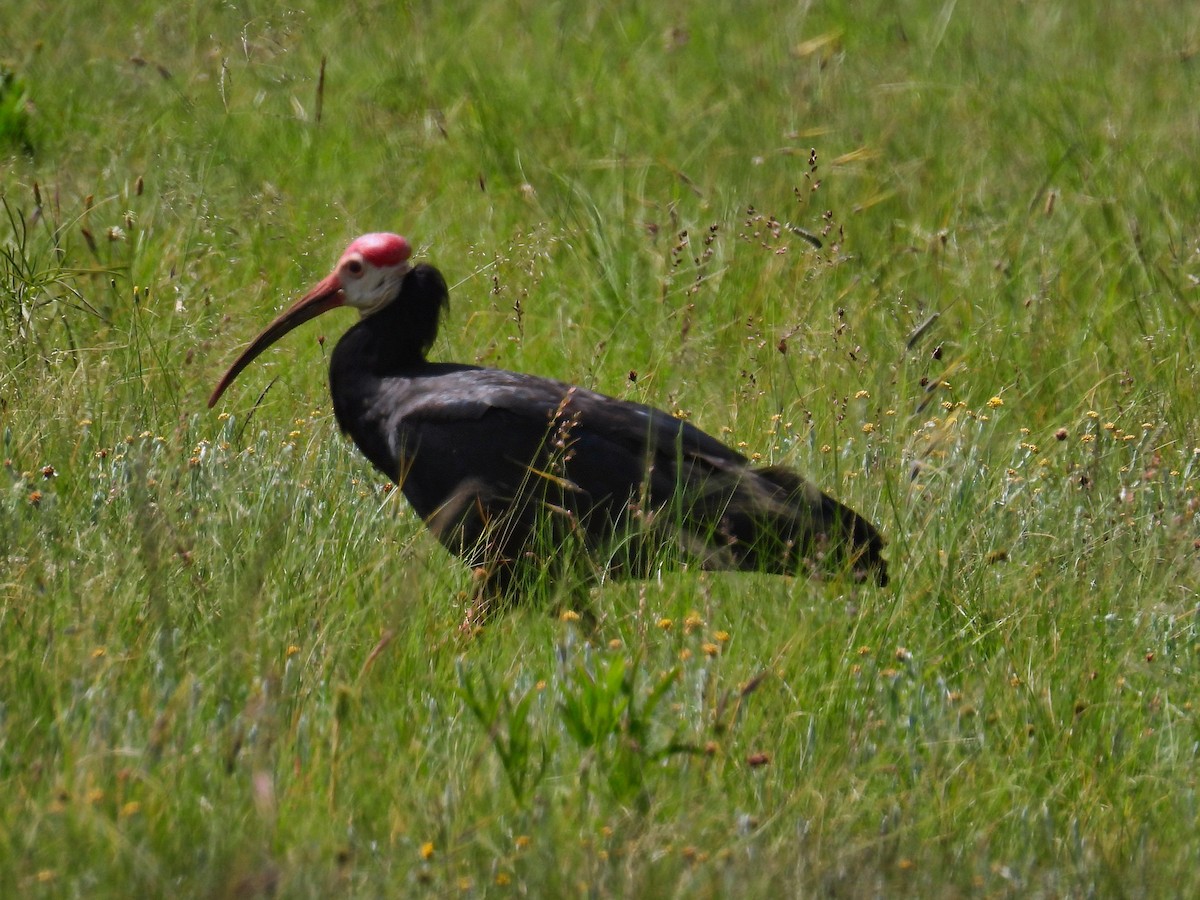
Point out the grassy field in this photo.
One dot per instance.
(230, 663)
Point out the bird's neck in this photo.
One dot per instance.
(398, 336)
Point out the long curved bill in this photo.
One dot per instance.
(325, 296)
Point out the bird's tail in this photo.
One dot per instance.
(812, 520)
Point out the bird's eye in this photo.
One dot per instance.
(354, 267)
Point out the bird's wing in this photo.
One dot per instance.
(541, 407)
(473, 422)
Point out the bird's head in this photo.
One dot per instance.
(370, 271)
(367, 278)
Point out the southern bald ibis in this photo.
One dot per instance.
(508, 469)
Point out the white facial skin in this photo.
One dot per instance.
(368, 287)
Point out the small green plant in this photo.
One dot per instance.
(32, 278)
(611, 720)
(14, 111)
(505, 717)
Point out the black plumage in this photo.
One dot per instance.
(514, 472)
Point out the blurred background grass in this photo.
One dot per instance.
(228, 656)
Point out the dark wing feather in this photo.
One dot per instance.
(451, 424)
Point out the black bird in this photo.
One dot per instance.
(508, 470)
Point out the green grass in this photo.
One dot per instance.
(230, 661)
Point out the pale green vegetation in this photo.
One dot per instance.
(230, 661)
